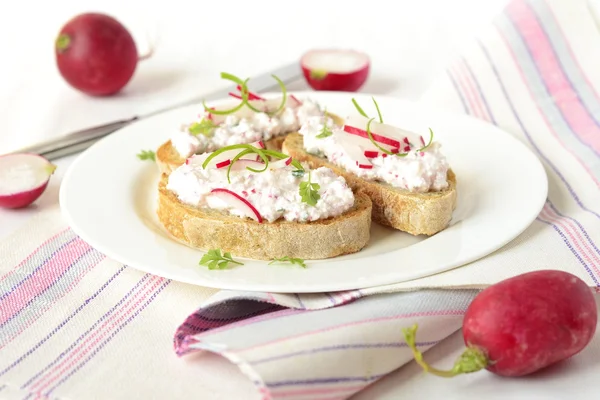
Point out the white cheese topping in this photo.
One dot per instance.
(418, 171)
(274, 193)
(235, 130)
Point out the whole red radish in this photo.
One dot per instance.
(96, 54)
(23, 179)
(523, 324)
(336, 70)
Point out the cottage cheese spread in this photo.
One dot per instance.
(418, 171)
(274, 193)
(235, 130)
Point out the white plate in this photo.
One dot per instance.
(108, 197)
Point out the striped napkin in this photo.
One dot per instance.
(75, 324)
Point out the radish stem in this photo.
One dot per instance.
(471, 360)
(62, 42)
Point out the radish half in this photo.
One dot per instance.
(337, 70)
(23, 179)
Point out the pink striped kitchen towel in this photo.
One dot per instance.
(75, 324)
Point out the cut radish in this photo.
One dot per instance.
(355, 152)
(224, 157)
(238, 202)
(260, 144)
(382, 133)
(223, 164)
(339, 70)
(23, 179)
(251, 96)
(294, 101)
(280, 163)
(363, 141)
(241, 165)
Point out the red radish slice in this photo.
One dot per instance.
(237, 96)
(338, 70)
(364, 142)
(280, 163)
(238, 202)
(353, 130)
(23, 179)
(224, 157)
(294, 101)
(384, 133)
(356, 153)
(223, 164)
(241, 165)
(251, 96)
(260, 144)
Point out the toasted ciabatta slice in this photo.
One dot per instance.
(211, 229)
(411, 212)
(168, 159)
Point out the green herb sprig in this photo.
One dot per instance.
(147, 155)
(310, 192)
(214, 260)
(245, 94)
(204, 127)
(297, 261)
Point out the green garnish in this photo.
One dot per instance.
(360, 110)
(386, 151)
(430, 140)
(298, 173)
(146, 155)
(377, 108)
(248, 149)
(245, 96)
(205, 127)
(214, 260)
(297, 261)
(310, 192)
(325, 132)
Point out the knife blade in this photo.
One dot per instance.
(79, 140)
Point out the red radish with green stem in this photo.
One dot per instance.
(522, 324)
(23, 179)
(336, 70)
(96, 54)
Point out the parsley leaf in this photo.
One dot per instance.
(297, 261)
(204, 127)
(214, 260)
(310, 192)
(146, 155)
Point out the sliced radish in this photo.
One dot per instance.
(356, 153)
(241, 165)
(251, 96)
(363, 141)
(293, 101)
(284, 162)
(223, 164)
(224, 157)
(260, 144)
(23, 179)
(340, 70)
(238, 202)
(382, 133)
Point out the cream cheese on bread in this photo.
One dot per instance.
(246, 128)
(274, 192)
(417, 171)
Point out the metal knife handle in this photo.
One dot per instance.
(57, 147)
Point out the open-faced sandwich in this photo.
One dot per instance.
(262, 204)
(248, 118)
(407, 177)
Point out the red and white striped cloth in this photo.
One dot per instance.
(74, 324)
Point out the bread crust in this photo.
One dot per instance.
(411, 212)
(211, 229)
